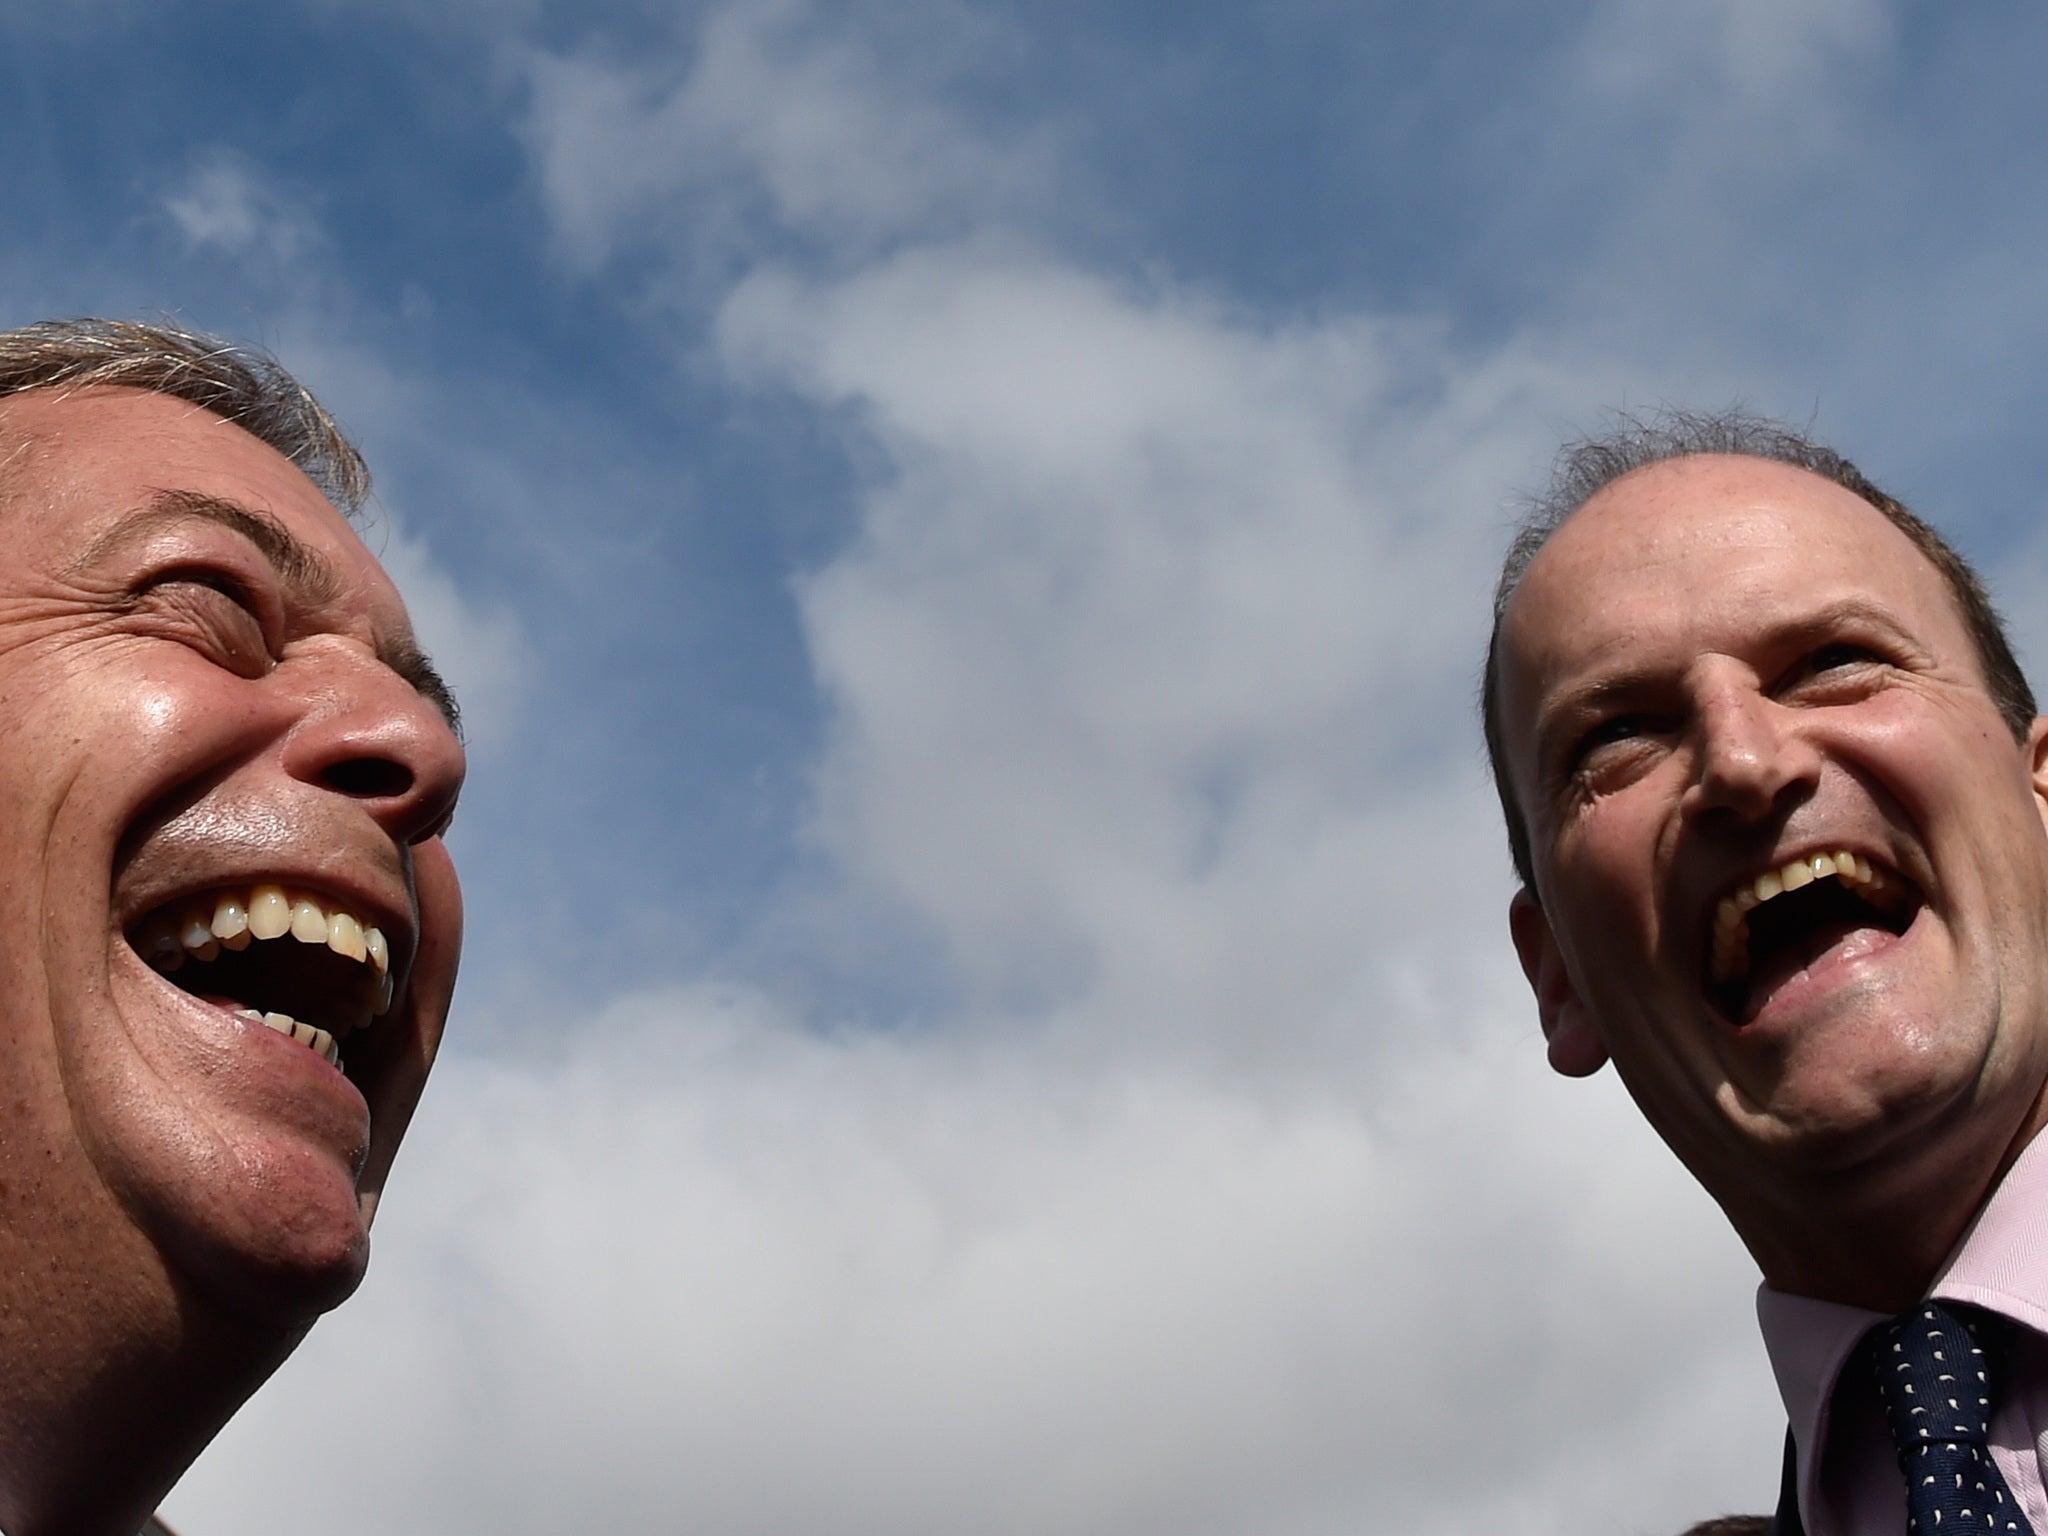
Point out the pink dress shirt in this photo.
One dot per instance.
(1849, 1483)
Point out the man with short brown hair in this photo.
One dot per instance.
(228, 925)
(1780, 805)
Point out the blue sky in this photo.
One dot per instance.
(963, 531)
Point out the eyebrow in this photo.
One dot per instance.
(410, 662)
(1795, 630)
(297, 564)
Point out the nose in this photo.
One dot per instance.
(372, 735)
(1752, 760)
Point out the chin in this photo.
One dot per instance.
(285, 1280)
(1837, 1126)
(262, 1226)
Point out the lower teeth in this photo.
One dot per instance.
(318, 1040)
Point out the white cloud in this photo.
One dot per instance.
(481, 648)
(1750, 68)
(227, 204)
(1702, 171)
(1148, 668)
(1735, 55)
(785, 118)
(483, 653)
(706, 1266)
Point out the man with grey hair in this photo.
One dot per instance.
(1778, 802)
(228, 924)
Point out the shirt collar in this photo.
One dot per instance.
(2002, 1262)
(2001, 1265)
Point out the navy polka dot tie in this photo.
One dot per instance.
(1936, 1385)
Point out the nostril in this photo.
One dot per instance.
(369, 778)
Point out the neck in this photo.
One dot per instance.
(1876, 1239)
(1864, 1263)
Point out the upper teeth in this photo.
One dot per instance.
(1731, 918)
(232, 919)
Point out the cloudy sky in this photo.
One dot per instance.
(962, 527)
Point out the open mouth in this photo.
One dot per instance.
(1787, 918)
(292, 960)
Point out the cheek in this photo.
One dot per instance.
(156, 712)
(95, 756)
(180, 722)
(1607, 863)
(121, 704)
(1928, 758)
(176, 687)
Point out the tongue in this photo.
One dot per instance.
(1786, 962)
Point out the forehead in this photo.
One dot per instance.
(1724, 543)
(75, 465)
(1706, 553)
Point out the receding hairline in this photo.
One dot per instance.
(1696, 468)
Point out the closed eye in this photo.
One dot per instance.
(226, 583)
(212, 611)
(1836, 672)
(1830, 657)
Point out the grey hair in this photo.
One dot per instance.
(1585, 468)
(241, 384)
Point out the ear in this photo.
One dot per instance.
(2037, 763)
(1576, 1048)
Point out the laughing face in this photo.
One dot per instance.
(1791, 865)
(231, 927)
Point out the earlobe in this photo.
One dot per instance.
(1576, 1049)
